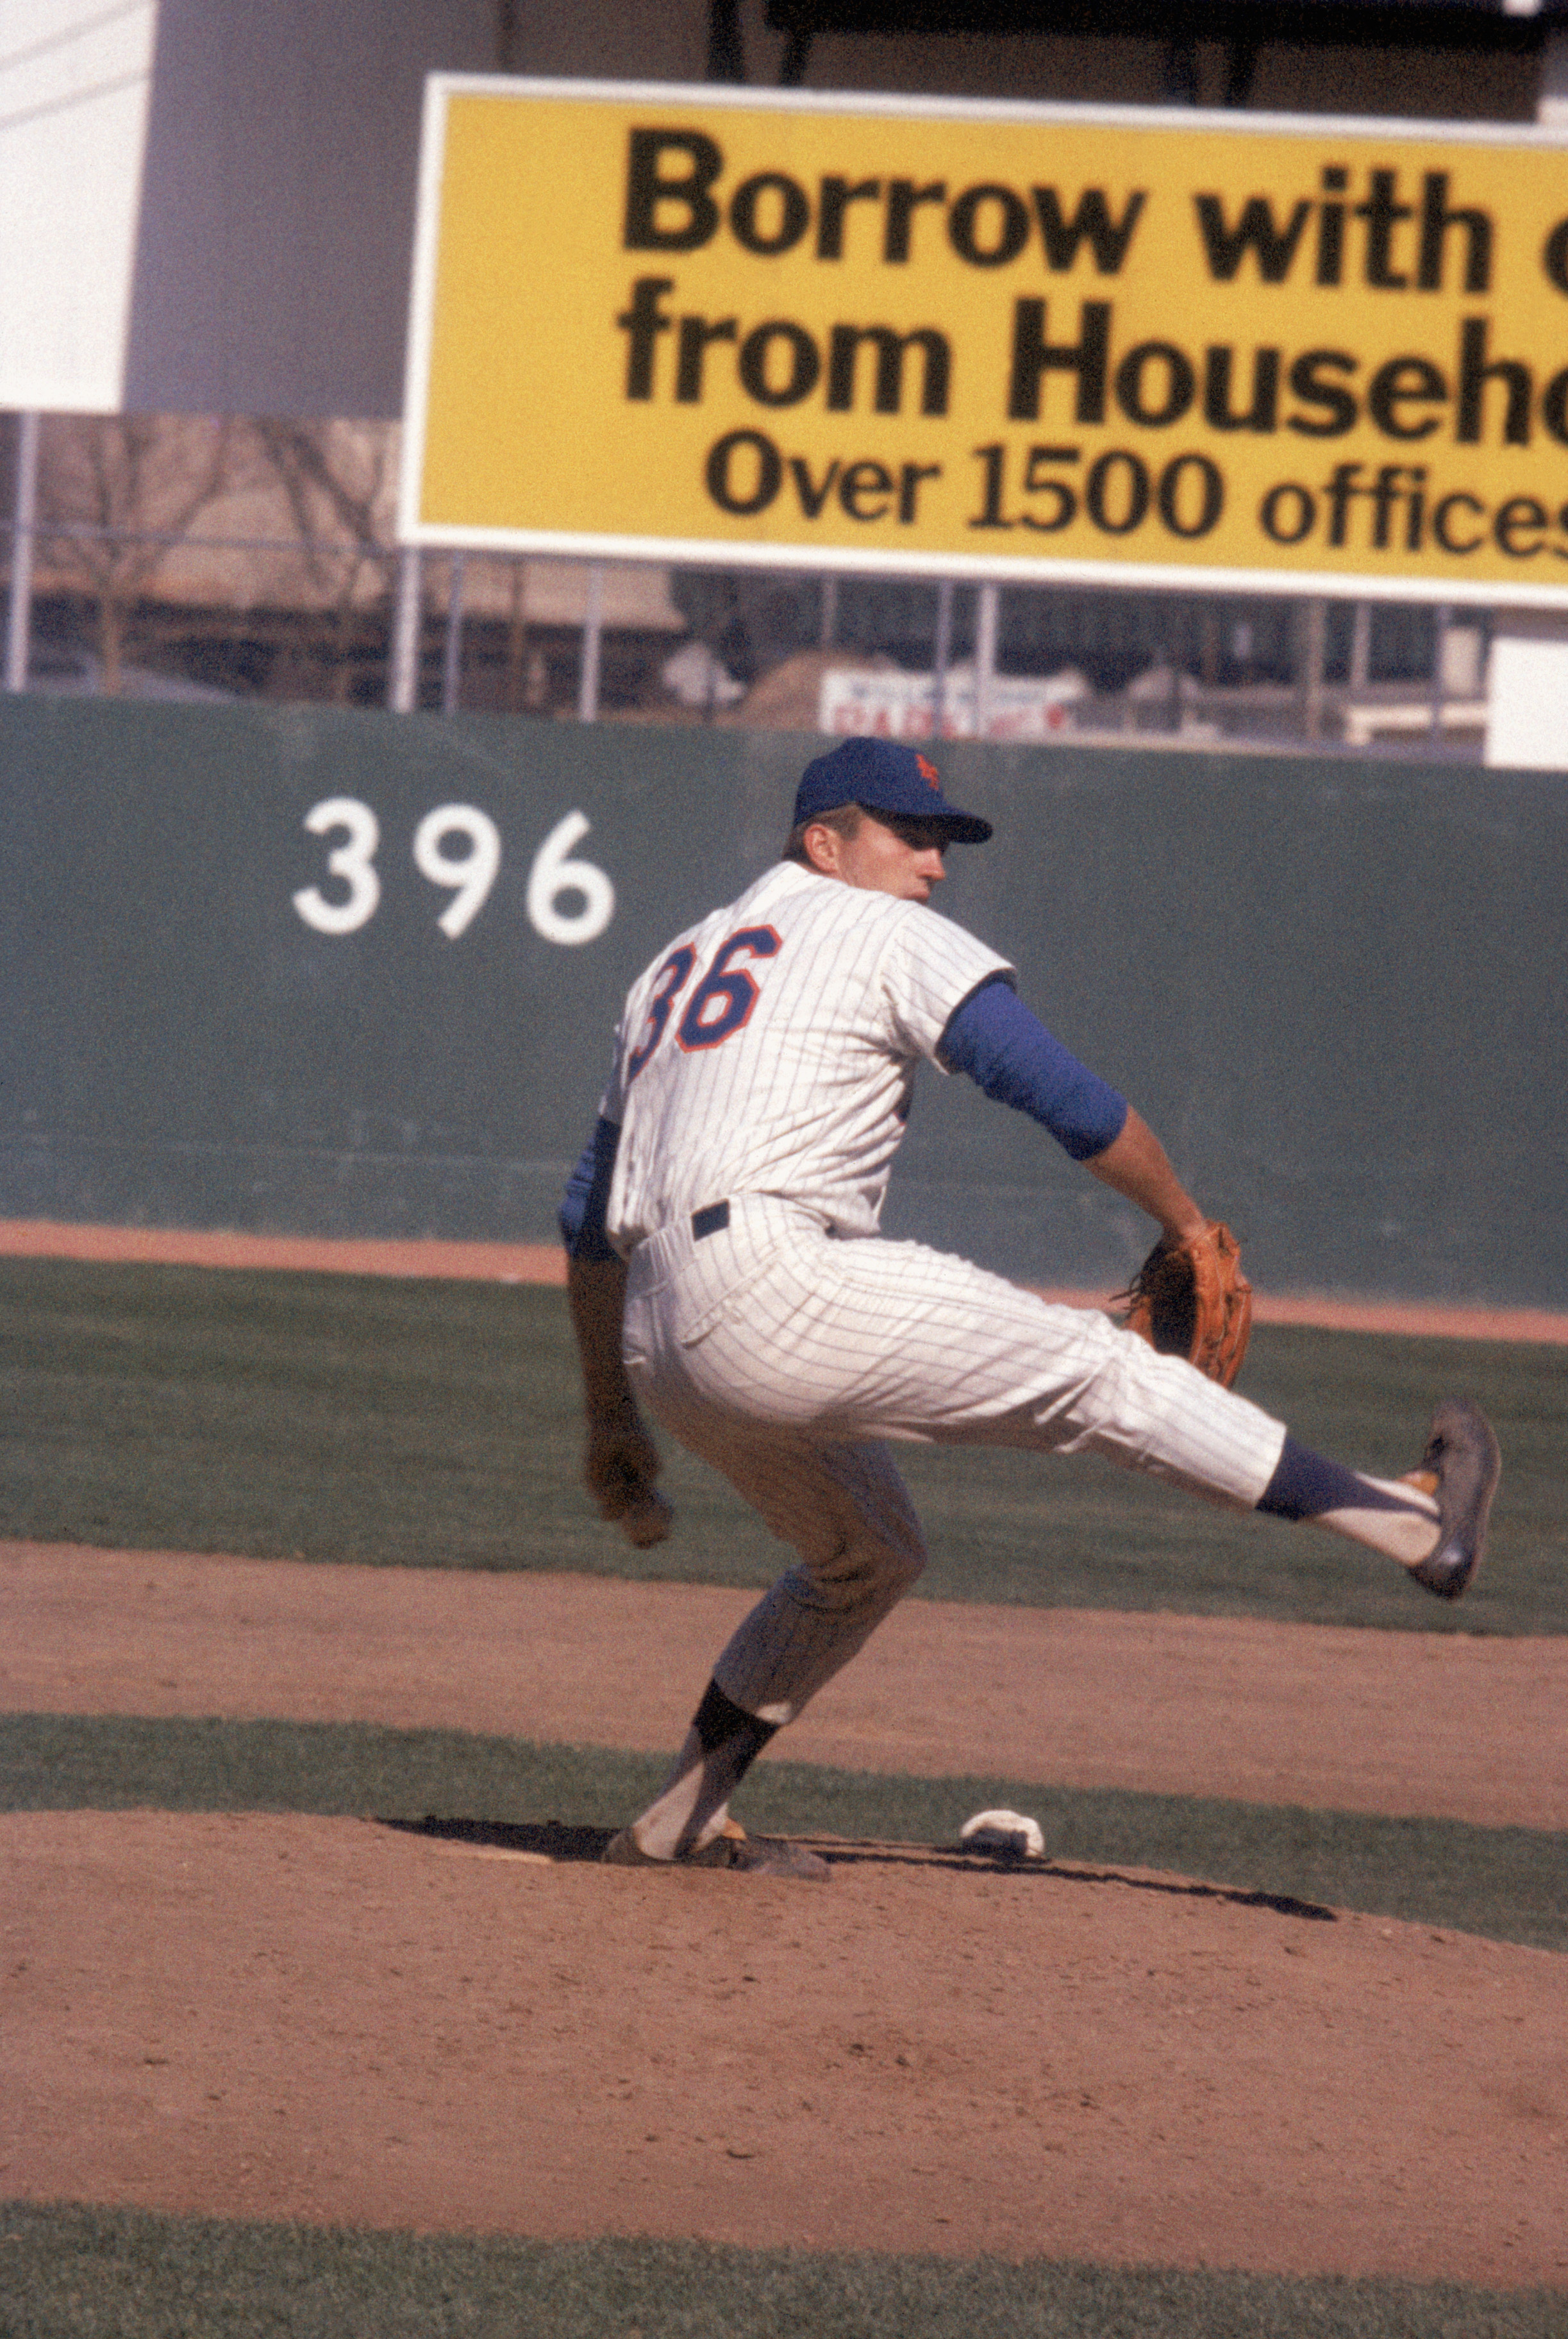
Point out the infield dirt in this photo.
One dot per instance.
(259, 2016)
(265, 2017)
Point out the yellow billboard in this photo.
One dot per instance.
(991, 340)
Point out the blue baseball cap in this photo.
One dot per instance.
(883, 775)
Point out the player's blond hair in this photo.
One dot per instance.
(843, 820)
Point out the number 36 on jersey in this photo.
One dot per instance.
(721, 1004)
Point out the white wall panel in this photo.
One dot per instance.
(73, 102)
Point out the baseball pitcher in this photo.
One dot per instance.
(726, 1277)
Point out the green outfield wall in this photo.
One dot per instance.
(292, 969)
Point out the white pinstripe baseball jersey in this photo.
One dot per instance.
(765, 1060)
(772, 1048)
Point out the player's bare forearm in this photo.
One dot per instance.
(620, 1461)
(597, 1293)
(1134, 1164)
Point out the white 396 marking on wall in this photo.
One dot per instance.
(553, 874)
(473, 875)
(351, 862)
(568, 901)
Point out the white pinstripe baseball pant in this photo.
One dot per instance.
(785, 1358)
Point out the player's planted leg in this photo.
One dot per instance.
(690, 1807)
(843, 1507)
(688, 1824)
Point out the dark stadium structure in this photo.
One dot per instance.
(1484, 26)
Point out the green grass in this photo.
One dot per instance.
(436, 1424)
(1503, 1882)
(96, 2273)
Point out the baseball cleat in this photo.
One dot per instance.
(1460, 1467)
(751, 1855)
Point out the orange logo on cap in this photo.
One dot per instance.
(928, 772)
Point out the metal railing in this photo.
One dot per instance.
(398, 631)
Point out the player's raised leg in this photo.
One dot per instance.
(1434, 1520)
(920, 1344)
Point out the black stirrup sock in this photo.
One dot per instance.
(719, 1721)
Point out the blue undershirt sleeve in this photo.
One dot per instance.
(1009, 1054)
(587, 1194)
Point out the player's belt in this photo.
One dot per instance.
(711, 1221)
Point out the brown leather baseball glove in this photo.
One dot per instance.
(1191, 1299)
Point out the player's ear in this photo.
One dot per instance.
(823, 846)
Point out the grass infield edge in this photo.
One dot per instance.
(67, 2270)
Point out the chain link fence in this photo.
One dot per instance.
(178, 556)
